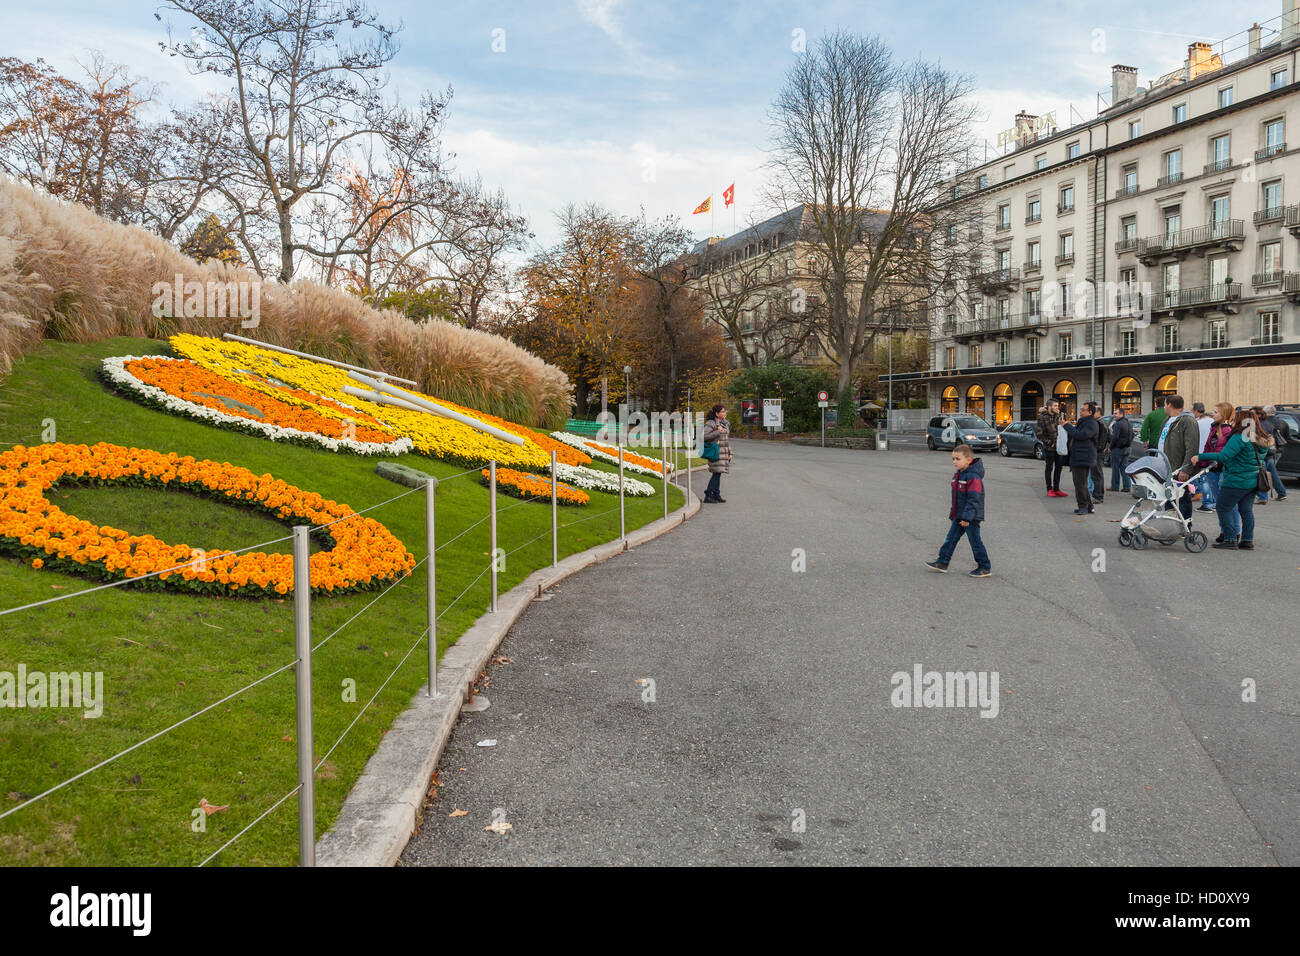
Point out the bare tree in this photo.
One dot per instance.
(866, 146)
(308, 80)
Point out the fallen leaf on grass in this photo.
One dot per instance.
(209, 809)
(59, 587)
(458, 813)
(498, 828)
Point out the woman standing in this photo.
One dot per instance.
(716, 429)
(1220, 429)
(1240, 461)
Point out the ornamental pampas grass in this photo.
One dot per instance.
(68, 274)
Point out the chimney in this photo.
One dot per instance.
(1201, 59)
(1290, 21)
(1253, 33)
(1025, 132)
(1124, 81)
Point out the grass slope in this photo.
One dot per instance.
(166, 655)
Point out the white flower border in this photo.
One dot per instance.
(590, 479)
(583, 445)
(116, 371)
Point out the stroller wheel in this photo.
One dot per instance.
(1195, 542)
(1125, 538)
(1164, 542)
(1139, 540)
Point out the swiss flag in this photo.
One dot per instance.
(729, 194)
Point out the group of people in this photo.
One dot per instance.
(1240, 446)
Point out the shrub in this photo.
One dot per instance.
(796, 386)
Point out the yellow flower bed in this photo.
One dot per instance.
(440, 438)
(364, 552)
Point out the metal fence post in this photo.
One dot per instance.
(302, 694)
(492, 529)
(431, 581)
(664, 475)
(555, 524)
(622, 522)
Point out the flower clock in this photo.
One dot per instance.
(306, 382)
(184, 388)
(589, 479)
(363, 553)
(520, 484)
(608, 453)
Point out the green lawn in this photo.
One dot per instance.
(167, 655)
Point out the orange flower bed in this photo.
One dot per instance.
(649, 463)
(520, 484)
(364, 552)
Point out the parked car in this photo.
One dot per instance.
(1289, 463)
(1021, 438)
(968, 429)
(1137, 450)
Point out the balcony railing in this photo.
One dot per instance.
(1064, 259)
(1128, 189)
(1261, 279)
(996, 279)
(1003, 226)
(1126, 350)
(1218, 166)
(1033, 265)
(1291, 283)
(1196, 297)
(1126, 245)
(1172, 347)
(1220, 232)
(1173, 179)
(1269, 214)
(1268, 152)
(1220, 342)
(1030, 219)
(1063, 208)
(1272, 338)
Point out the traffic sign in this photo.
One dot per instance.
(772, 417)
(823, 396)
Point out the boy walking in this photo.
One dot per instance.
(966, 513)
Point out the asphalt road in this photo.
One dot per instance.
(1118, 691)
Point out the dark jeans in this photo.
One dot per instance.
(1080, 475)
(714, 488)
(1052, 465)
(1098, 480)
(1118, 462)
(1236, 508)
(972, 532)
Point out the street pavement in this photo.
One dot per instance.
(772, 737)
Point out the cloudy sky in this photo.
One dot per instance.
(659, 104)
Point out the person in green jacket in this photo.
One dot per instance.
(1236, 504)
(1153, 423)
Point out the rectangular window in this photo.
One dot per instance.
(974, 356)
(1173, 167)
(1128, 229)
(1277, 79)
(1180, 113)
(1004, 353)
(1270, 263)
(1072, 151)
(1268, 329)
(1219, 210)
(1134, 129)
(1065, 247)
(1275, 134)
(1033, 301)
(1169, 285)
(1004, 259)
(1126, 344)
(1126, 296)
(1067, 199)
(1067, 300)
(952, 234)
(950, 357)
(1008, 172)
(1220, 153)
(1034, 211)
(1169, 337)
(1130, 179)
(1004, 216)
(1173, 222)
(1035, 256)
(1225, 97)
(1219, 272)
(1273, 198)
(1032, 350)
(1218, 334)
(983, 181)
(1040, 161)
(1064, 345)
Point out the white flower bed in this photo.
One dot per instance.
(115, 371)
(585, 445)
(590, 479)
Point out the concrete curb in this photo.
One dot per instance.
(379, 814)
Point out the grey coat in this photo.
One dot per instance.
(718, 430)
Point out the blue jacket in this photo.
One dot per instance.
(1083, 442)
(968, 493)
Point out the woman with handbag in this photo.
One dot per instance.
(1241, 477)
(717, 452)
(1220, 429)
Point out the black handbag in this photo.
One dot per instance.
(1263, 481)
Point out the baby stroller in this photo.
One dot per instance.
(1155, 515)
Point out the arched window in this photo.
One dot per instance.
(1127, 394)
(1031, 401)
(1165, 385)
(948, 403)
(1002, 401)
(1067, 393)
(975, 401)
